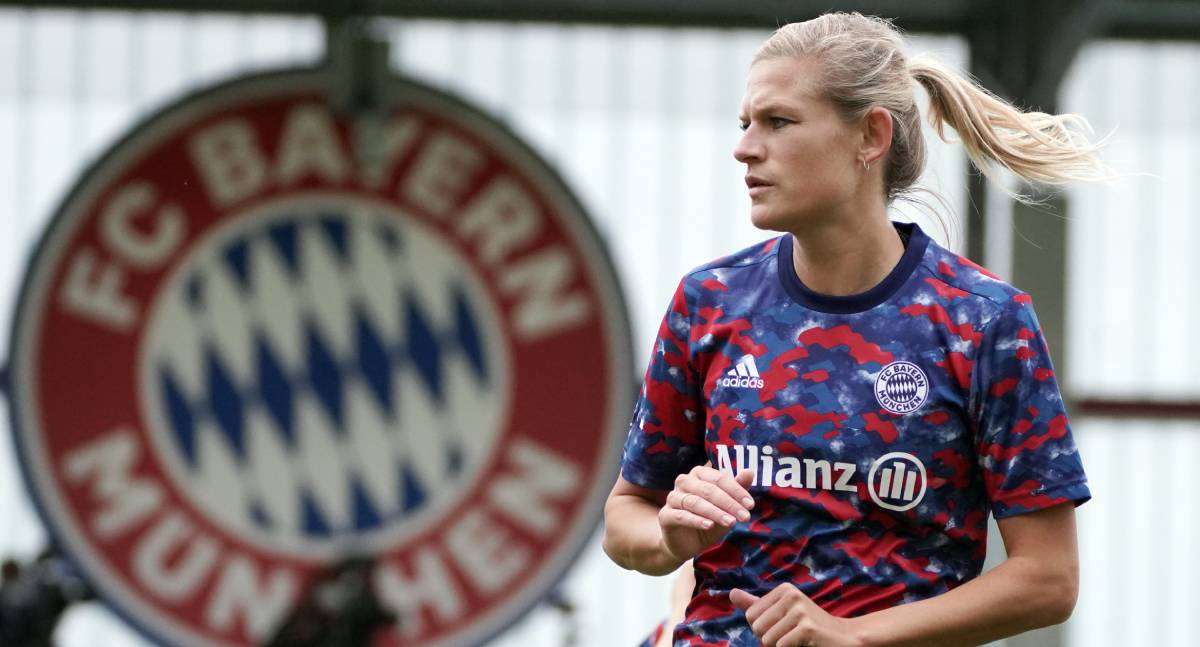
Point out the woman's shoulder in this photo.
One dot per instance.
(753, 255)
(960, 273)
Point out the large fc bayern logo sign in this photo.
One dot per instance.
(245, 350)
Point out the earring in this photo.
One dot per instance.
(866, 165)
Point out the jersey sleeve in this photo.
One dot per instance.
(1027, 454)
(666, 435)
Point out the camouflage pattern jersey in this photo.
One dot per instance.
(883, 427)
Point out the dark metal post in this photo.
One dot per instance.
(1021, 50)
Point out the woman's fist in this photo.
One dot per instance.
(702, 508)
(786, 617)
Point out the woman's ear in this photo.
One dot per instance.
(877, 135)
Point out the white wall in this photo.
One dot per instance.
(1133, 308)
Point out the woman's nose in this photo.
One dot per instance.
(748, 149)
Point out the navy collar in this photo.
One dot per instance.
(914, 251)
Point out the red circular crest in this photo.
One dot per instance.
(256, 339)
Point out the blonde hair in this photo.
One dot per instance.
(864, 65)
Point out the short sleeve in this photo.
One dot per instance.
(1027, 454)
(666, 435)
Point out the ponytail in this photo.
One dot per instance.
(1039, 147)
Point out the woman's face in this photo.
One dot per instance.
(802, 159)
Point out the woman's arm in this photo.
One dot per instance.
(632, 537)
(1035, 587)
(654, 531)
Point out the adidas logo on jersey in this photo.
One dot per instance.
(743, 375)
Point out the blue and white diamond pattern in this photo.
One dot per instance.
(320, 373)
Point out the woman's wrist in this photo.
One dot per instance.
(670, 562)
(861, 629)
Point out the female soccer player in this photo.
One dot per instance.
(829, 417)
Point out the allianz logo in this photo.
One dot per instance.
(744, 375)
(896, 481)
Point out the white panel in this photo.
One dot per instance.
(1133, 302)
(1137, 536)
(13, 52)
(109, 42)
(162, 56)
(53, 43)
(272, 41)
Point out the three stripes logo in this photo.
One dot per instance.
(897, 481)
(744, 375)
(901, 387)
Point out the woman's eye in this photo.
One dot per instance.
(776, 123)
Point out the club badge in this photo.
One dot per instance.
(245, 348)
(901, 387)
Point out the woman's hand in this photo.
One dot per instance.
(785, 617)
(702, 508)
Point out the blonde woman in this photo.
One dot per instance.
(830, 416)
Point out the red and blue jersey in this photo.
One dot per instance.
(883, 427)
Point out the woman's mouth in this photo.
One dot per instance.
(757, 185)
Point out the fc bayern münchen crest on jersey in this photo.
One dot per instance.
(246, 350)
(901, 387)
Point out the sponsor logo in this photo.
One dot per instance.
(896, 481)
(245, 351)
(901, 387)
(786, 471)
(744, 375)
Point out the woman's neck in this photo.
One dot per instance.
(848, 255)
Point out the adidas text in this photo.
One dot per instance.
(741, 382)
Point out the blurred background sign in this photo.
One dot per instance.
(299, 318)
